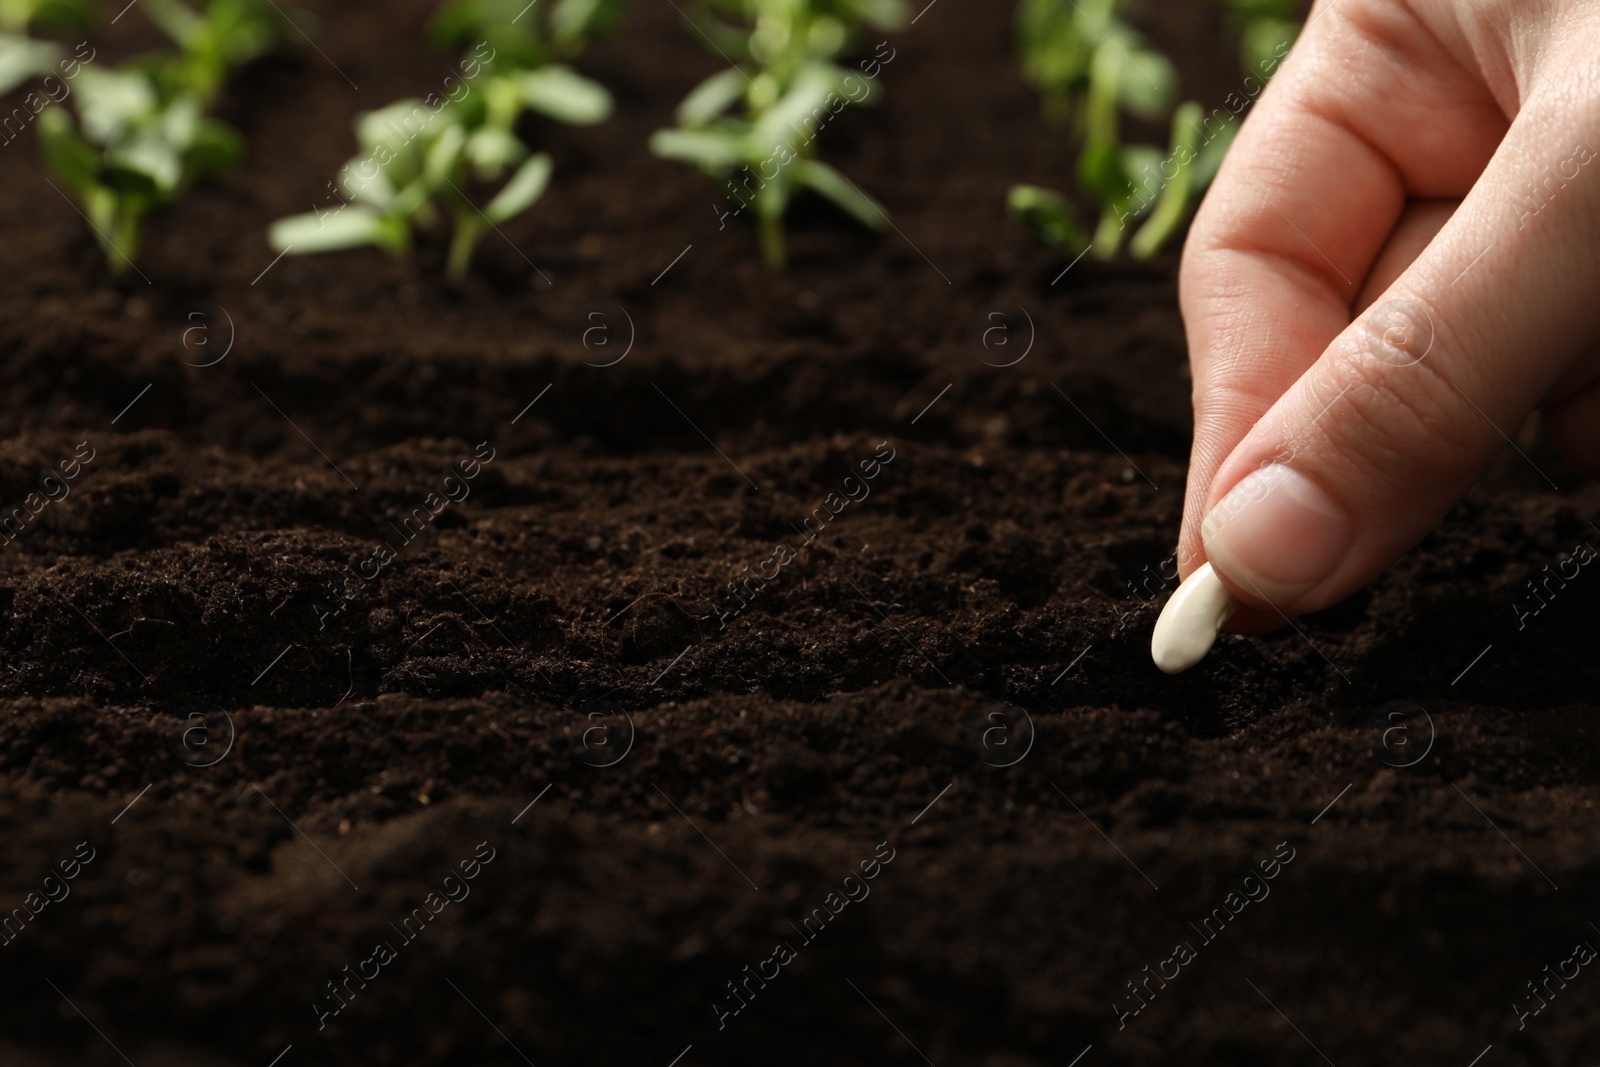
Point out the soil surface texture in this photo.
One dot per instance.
(772, 685)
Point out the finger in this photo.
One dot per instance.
(1353, 124)
(1408, 406)
(1419, 224)
(1573, 426)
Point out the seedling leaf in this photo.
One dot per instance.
(1213, 152)
(525, 187)
(215, 147)
(1100, 170)
(711, 97)
(806, 101)
(565, 95)
(1047, 215)
(397, 132)
(713, 149)
(887, 15)
(523, 35)
(836, 187)
(1174, 202)
(176, 20)
(18, 15)
(576, 22)
(66, 152)
(1147, 84)
(348, 227)
(111, 101)
(1141, 166)
(22, 58)
(1265, 41)
(145, 162)
(375, 191)
(443, 155)
(490, 150)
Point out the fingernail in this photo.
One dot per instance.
(1277, 534)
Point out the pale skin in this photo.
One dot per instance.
(1398, 262)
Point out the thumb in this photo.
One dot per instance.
(1408, 406)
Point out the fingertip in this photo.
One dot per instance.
(1276, 536)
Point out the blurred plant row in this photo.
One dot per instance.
(1091, 67)
(139, 134)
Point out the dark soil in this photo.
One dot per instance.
(954, 673)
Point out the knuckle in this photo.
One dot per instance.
(1397, 422)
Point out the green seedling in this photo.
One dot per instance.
(779, 37)
(1072, 52)
(1142, 82)
(525, 35)
(420, 159)
(226, 35)
(764, 156)
(418, 163)
(1194, 162)
(1091, 68)
(1047, 215)
(1056, 42)
(18, 15)
(142, 137)
(1266, 28)
(137, 151)
(22, 57)
(1141, 181)
(753, 127)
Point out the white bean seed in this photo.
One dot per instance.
(1189, 623)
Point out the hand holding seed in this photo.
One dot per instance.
(1398, 262)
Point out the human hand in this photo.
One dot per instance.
(1399, 260)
